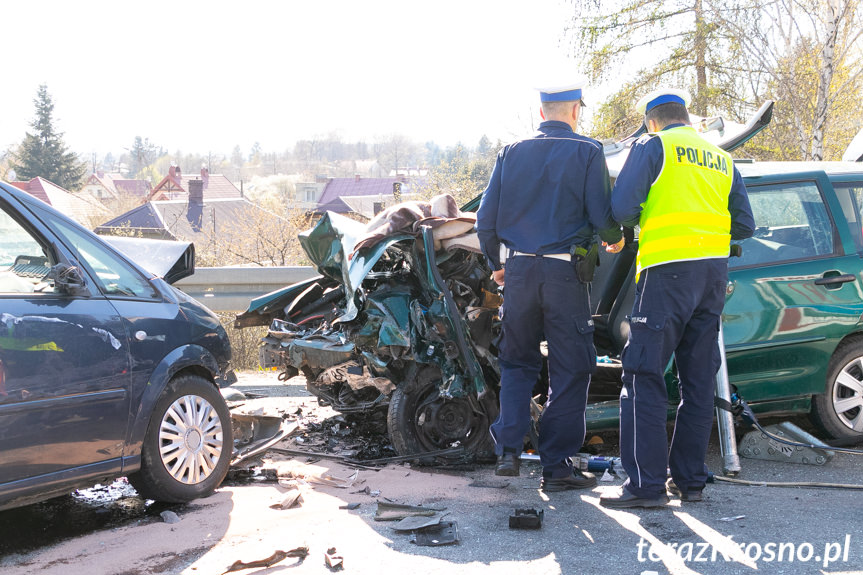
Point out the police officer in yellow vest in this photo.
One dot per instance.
(689, 201)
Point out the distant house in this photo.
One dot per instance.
(195, 219)
(175, 186)
(113, 188)
(366, 196)
(308, 194)
(83, 208)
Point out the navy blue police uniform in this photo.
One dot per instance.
(546, 194)
(677, 310)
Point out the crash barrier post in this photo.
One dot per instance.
(724, 418)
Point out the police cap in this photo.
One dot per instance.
(571, 92)
(662, 96)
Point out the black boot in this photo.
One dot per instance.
(508, 463)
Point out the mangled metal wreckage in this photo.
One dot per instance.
(400, 322)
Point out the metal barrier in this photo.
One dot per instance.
(232, 288)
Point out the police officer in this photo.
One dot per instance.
(546, 194)
(689, 201)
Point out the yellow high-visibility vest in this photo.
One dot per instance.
(685, 216)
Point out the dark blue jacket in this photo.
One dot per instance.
(545, 194)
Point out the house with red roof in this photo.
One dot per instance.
(111, 187)
(175, 186)
(83, 208)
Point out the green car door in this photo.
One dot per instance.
(794, 294)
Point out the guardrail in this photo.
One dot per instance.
(232, 288)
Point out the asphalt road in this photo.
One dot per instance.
(737, 529)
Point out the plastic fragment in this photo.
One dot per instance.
(333, 561)
(300, 552)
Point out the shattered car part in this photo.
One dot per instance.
(393, 328)
(257, 433)
(418, 522)
(526, 519)
(334, 561)
(293, 498)
(444, 533)
(277, 557)
(397, 511)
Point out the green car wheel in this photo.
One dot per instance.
(839, 410)
(421, 420)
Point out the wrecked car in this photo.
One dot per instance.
(106, 370)
(402, 321)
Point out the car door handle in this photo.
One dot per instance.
(832, 280)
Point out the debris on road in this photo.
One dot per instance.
(300, 552)
(333, 561)
(733, 518)
(388, 511)
(526, 519)
(489, 483)
(444, 533)
(256, 433)
(333, 481)
(350, 506)
(169, 517)
(293, 498)
(418, 522)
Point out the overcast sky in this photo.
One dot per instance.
(206, 76)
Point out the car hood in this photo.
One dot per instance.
(166, 259)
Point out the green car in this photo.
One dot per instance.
(792, 318)
(404, 328)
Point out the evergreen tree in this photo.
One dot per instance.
(142, 155)
(43, 152)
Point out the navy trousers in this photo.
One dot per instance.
(544, 298)
(677, 310)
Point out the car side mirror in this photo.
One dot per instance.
(68, 279)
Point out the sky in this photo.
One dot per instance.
(204, 77)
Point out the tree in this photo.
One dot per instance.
(43, 152)
(732, 55)
(255, 154)
(462, 174)
(237, 157)
(142, 154)
(806, 54)
(255, 236)
(397, 151)
(680, 41)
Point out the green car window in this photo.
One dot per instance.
(791, 223)
(850, 195)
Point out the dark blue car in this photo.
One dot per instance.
(106, 370)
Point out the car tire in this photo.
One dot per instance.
(190, 423)
(420, 421)
(839, 410)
